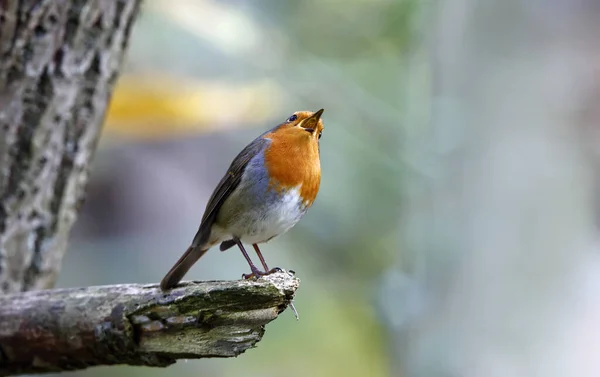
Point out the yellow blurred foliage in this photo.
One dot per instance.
(159, 106)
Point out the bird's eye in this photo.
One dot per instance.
(292, 118)
(320, 135)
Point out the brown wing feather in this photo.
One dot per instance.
(227, 184)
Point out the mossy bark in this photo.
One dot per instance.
(70, 329)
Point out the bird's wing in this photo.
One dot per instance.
(225, 187)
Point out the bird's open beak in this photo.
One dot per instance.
(312, 122)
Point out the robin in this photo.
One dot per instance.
(267, 189)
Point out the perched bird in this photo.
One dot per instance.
(267, 189)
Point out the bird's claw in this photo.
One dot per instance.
(257, 274)
(249, 276)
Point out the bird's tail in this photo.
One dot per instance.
(178, 271)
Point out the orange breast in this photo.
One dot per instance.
(292, 160)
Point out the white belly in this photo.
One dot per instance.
(259, 223)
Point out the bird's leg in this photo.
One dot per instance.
(262, 260)
(255, 271)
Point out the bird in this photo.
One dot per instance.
(266, 190)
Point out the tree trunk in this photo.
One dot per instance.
(59, 62)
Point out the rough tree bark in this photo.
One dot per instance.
(69, 329)
(59, 60)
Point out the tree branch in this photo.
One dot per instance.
(75, 328)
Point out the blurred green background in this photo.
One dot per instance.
(203, 78)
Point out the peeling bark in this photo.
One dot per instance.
(59, 62)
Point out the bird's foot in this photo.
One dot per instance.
(257, 274)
